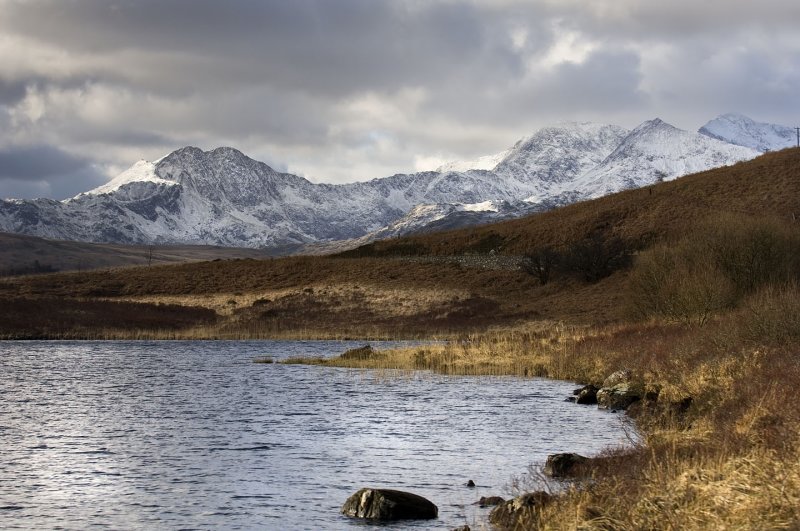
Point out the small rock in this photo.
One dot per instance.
(490, 501)
(519, 511)
(462, 528)
(470, 483)
(386, 504)
(587, 395)
(361, 353)
(561, 465)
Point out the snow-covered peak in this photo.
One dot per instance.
(487, 162)
(656, 151)
(738, 129)
(560, 153)
(142, 171)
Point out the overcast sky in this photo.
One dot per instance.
(345, 90)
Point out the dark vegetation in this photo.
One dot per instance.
(66, 318)
(27, 269)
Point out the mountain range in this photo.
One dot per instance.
(222, 197)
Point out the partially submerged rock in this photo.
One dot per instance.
(519, 511)
(387, 504)
(587, 395)
(562, 465)
(490, 501)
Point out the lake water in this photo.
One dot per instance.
(194, 435)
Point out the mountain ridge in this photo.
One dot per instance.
(223, 197)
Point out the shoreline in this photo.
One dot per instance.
(710, 418)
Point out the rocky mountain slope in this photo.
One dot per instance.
(743, 131)
(222, 197)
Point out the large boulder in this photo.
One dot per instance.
(562, 465)
(618, 377)
(620, 396)
(386, 504)
(520, 513)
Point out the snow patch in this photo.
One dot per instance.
(142, 171)
(487, 162)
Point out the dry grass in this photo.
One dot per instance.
(336, 297)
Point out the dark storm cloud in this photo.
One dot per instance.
(36, 162)
(44, 170)
(319, 46)
(11, 92)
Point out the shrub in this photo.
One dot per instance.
(540, 263)
(773, 314)
(597, 256)
(714, 268)
(753, 252)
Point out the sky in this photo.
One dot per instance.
(349, 90)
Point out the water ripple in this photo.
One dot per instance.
(185, 435)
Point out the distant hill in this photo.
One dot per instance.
(21, 255)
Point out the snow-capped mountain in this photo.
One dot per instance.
(656, 151)
(487, 162)
(743, 131)
(554, 157)
(222, 197)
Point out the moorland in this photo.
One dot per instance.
(690, 285)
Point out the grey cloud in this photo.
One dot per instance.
(45, 168)
(11, 92)
(606, 81)
(317, 46)
(277, 77)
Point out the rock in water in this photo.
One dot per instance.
(587, 395)
(490, 501)
(386, 504)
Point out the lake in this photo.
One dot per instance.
(194, 435)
